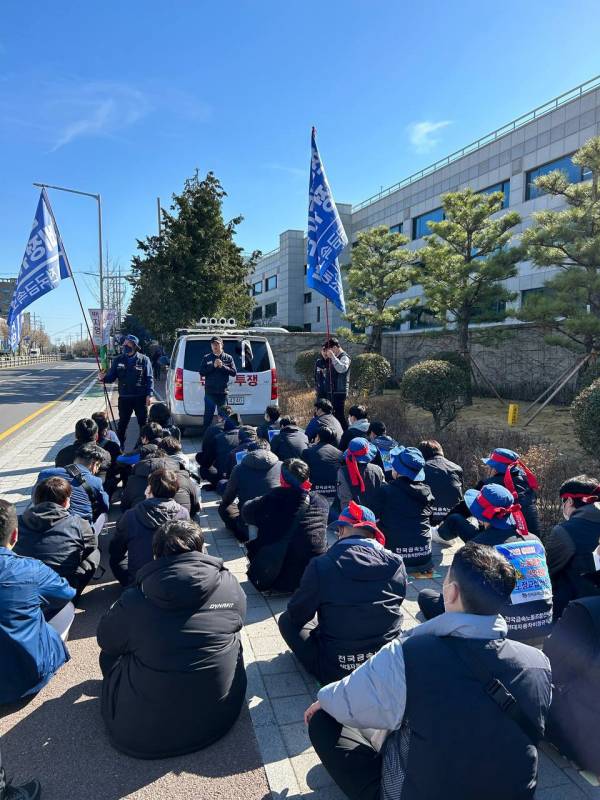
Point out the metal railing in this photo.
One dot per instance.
(519, 122)
(25, 361)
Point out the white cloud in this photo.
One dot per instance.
(423, 136)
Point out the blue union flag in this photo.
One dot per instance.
(326, 235)
(44, 264)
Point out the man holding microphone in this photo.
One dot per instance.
(133, 372)
(216, 368)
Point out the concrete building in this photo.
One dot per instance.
(508, 159)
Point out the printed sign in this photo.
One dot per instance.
(102, 322)
(533, 580)
(272, 433)
(386, 458)
(240, 455)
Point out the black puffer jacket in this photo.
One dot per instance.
(61, 540)
(135, 490)
(273, 515)
(403, 509)
(256, 475)
(445, 479)
(323, 462)
(180, 682)
(225, 442)
(290, 442)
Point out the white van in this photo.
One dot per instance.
(250, 392)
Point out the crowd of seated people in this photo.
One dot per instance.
(341, 521)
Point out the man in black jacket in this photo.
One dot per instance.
(358, 426)
(135, 490)
(324, 418)
(207, 456)
(332, 377)
(66, 543)
(271, 423)
(572, 544)
(254, 476)
(291, 441)
(86, 432)
(355, 589)
(246, 436)
(171, 655)
(444, 478)
(324, 460)
(217, 367)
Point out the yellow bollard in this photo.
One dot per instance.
(513, 414)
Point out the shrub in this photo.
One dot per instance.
(437, 386)
(585, 411)
(305, 365)
(452, 357)
(368, 373)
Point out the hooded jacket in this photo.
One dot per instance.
(373, 478)
(323, 462)
(445, 479)
(225, 442)
(61, 541)
(179, 684)
(356, 589)
(324, 421)
(67, 455)
(135, 489)
(569, 550)
(357, 429)
(403, 509)
(136, 527)
(207, 455)
(81, 505)
(256, 475)
(290, 442)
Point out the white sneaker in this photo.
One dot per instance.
(435, 537)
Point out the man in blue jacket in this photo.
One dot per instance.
(133, 372)
(216, 368)
(88, 498)
(31, 649)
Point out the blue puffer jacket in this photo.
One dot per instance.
(30, 650)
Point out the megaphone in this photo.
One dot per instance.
(213, 321)
(203, 321)
(231, 321)
(222, 321)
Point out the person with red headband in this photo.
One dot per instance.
(358, 477)
(291, 523)
(507, 469)
(528, 611)
(572, 543)
(355, 590)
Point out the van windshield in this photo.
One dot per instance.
(256, 356)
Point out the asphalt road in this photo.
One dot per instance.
(27, 391)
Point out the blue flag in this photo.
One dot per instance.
(43, 267)
(14, 335)
(326, 235)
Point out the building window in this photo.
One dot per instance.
(420, 227)
(307, 327)
(307, 297)
(503, 186)
(527, 295)
(257, 313)
(270, 283)
(396, 228)
(256, 288)
(318, 313)
(270, 310)
(420, 317)
(574, 173)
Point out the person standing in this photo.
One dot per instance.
(133, 372)
(332, 377)
(216, 368)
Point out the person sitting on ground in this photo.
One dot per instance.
(225, 442)
(377, 434)
(32, 790)
(112, 447)
(159, 413)
(458, 523)
(355, 590)
(358, 477)
(246, 435)
(574, 653)
(571, 544)
(291, 441)
(257, 473)
(507, 469)
(444, 478)
(103, 423)
(67, 544)
(131, 545)
(206, 456)
(291, 523)
(150, 434)
(323, 459)
(271, 423)
(171, 445)
(358, 426)
(31, 649)
(440, 694)
(171, 655)
(528, 611)
(86, 432)
(324, 418)
(88, 498)
(403, 508)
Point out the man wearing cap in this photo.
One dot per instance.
(133, 372)
(355, 590)
(508, 470)
(571, 547)
(403, 508)
(528, 610)
(332, 377)
(216, 368)
(359, 478)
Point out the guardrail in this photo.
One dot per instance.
(25, 361)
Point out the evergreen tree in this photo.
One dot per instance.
(569, 310)
(381, 268)
(194, 268)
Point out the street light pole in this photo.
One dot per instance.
(98, 200)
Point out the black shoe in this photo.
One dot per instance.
(27, 791)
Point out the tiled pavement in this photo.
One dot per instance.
(279, 690)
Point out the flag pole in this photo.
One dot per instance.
(328, 338)
(94, 348)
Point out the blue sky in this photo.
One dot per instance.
(128, 98)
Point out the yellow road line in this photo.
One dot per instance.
(41, 410)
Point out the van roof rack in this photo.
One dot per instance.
(217, 329)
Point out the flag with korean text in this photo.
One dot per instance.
(44, 264)
(326, 235)
(14, 334)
